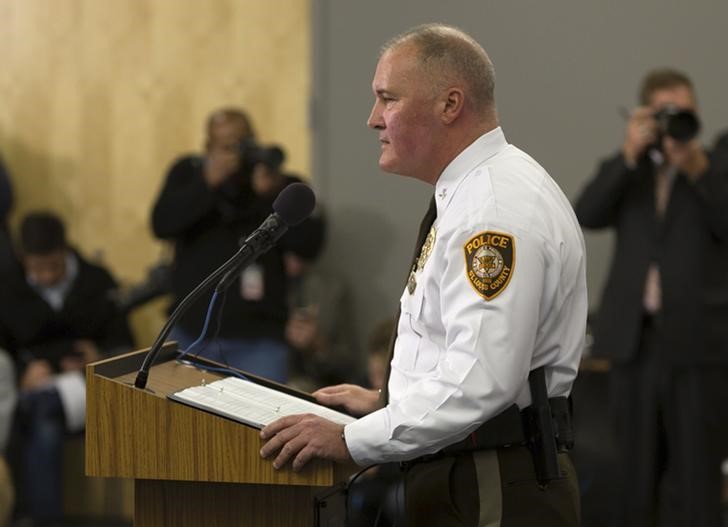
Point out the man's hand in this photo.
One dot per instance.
(266, 181)
(87, 349)
(300, 438)
(358, 401)
(71, 363)
(689, 158)
(641, 132)
(220, 163)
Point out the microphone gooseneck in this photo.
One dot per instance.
(293, 205)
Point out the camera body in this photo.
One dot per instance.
(681, 125)
(252, 154)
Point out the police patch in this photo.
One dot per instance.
(489, 261)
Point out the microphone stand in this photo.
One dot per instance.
(261, 240)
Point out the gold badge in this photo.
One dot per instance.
(421, 260)
(489, 261)
(412, 280)
(426, 249)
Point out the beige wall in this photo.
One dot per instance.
(98, 97)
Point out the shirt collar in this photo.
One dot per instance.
(475, 154)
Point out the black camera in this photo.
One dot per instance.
(681, 125)
(252, 154)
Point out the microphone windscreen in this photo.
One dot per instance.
(295, 203)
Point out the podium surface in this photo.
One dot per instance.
(190, 467)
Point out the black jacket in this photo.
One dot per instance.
(690, 245)
(31, 329)
(206, 227)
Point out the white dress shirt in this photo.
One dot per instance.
(461, 358)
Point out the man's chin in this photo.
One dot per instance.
(387, 165)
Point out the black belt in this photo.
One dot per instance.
(544, 427)
(512, 427)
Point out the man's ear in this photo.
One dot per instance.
(454, 100)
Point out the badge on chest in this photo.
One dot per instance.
(421, 260)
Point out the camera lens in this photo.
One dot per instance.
(252, 153)
(682, 126)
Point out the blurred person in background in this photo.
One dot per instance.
(56, 315)
(663, 320)
(378, 347)
(207, 205)
(7, 256)
(8, 398)
(320, 328)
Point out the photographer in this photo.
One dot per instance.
(208, 203)
(665, 305)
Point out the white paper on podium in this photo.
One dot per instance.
(252, 404)
(71, 388)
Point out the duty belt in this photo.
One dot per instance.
(545, 428)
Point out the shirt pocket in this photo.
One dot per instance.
(411, 303)
(415, 351)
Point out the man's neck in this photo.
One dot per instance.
(458, 142)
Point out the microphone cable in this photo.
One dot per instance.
(202, 343)
(201, 338)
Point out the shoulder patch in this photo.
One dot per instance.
(489, 261)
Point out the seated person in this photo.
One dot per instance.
(56, 315)
(320, 327)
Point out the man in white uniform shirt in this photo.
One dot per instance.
(498, 290)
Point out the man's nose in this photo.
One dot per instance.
(375, 121)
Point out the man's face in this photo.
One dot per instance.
(294, 265)
(225, 136)
(680, 97)
(404, 114)
(46, 270)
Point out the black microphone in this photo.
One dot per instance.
(293, 205)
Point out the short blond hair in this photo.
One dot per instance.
(231, 115)
(446, 52)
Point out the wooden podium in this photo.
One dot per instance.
(191, 468)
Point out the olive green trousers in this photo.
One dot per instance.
(489, 488)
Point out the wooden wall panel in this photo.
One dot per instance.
(99, 96)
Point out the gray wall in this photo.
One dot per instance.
(563, 69)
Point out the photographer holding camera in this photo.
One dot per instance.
(208, 203)
(663, 320)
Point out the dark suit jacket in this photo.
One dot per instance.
(690, 245)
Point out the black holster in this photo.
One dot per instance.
(543, 437)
